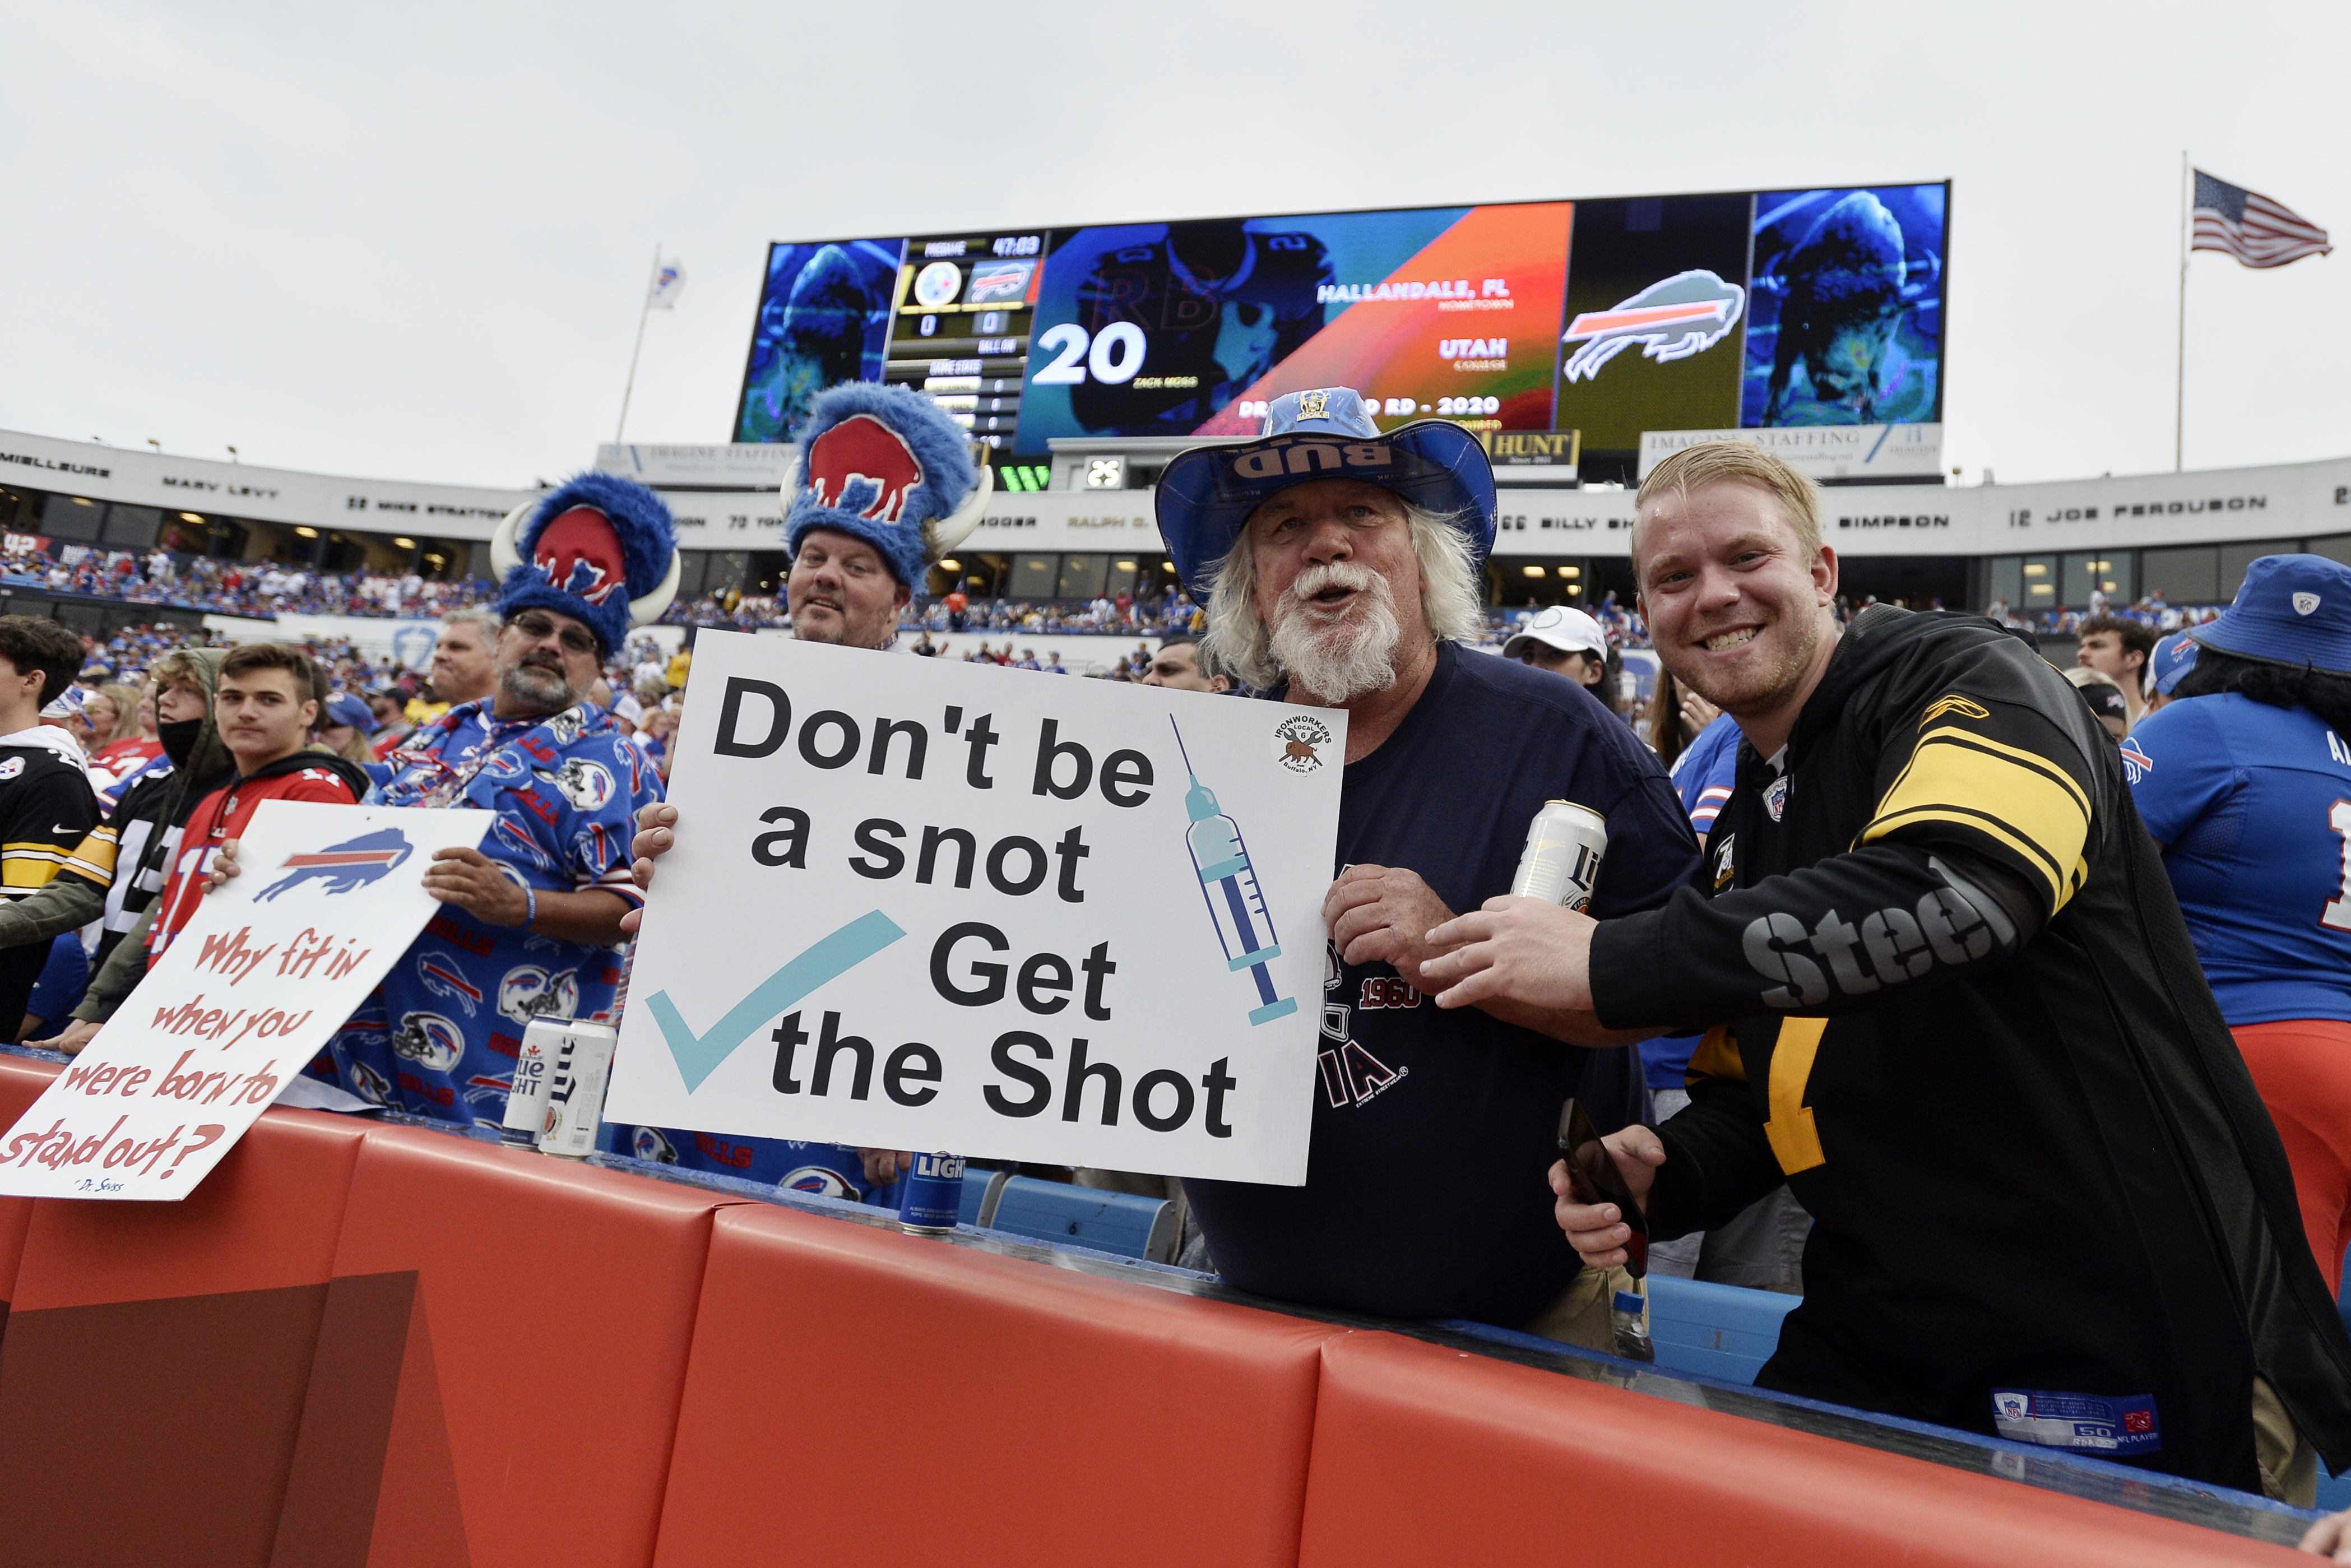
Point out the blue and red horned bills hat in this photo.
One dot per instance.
(885, 465)
(597, 547)
(1205, 494)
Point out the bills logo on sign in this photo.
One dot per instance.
(341, 867)
(579, 553)
(998, 282)
(1673, 318)
(862, 465)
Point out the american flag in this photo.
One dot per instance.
(2251, 227)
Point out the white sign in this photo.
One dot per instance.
(920, 905)
(267, 969)
(1823, 450)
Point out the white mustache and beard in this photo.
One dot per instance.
(1337, 657)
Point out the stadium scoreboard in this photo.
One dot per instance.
(1593, 320)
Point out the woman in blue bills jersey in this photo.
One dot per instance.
(2244, 777)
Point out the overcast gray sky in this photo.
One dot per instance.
(410, 241)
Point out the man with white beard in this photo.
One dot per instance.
(1342, 569)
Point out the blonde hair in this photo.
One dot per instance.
(125, 698)
(1239, 644)
(1713, 462)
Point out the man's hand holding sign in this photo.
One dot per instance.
(1037, 920)
(265, 971)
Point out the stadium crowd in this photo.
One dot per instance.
(1906, 940)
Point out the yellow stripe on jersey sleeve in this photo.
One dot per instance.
(93, 858)
(24, 867)
(2004, 792)
(1717, 1056)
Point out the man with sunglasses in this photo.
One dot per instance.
(532, 922)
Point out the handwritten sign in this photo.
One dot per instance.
(270, 967)
(923, 905)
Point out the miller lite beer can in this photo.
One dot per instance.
(933, 1197)
(526, 1116)
(1560, 864)
(581, 1058)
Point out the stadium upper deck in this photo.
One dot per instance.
(2040, 548)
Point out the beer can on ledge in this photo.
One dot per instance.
(581, 1062)
(933, 1197)
(526, 1116)
(1560, 864)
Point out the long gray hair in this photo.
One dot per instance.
(1238, 640)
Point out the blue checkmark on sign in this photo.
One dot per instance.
(698, 1055)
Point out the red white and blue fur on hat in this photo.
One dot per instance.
(597, 547)
(883, 463)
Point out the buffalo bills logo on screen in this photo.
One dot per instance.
(1673, 318)
(579, 553)
(437, 973)
(341, 867)
(862, 465)
(530, 992)
(430, 1040)
(587, 785)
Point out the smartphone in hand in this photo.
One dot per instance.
(1593, 1178)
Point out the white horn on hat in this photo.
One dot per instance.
(943, 534)
(505, 552)
(646, 610)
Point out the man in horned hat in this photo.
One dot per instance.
(885, 486)
(531, 923)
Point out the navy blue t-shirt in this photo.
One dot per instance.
(1425, 1193)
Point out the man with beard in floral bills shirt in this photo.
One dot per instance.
(532, 922)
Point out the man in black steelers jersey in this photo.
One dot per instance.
(1954, 1006)
(47, 804)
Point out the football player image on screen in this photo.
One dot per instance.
(1845, 322)
(1218, 305)
(823, 320)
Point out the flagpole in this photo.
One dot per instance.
(2179, 396)
(642, 312)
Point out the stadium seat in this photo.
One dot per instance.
(976, 1206)
(500, 1361)
(842, 1374)
(165, 1334)
(1426, 1454)
(1715, 1331)
(1086, 1217)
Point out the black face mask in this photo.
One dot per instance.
(179, 739)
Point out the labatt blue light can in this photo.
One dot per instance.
(933, 1196)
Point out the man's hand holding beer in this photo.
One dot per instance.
(1597, 1230)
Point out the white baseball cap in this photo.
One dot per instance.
(1567, 629)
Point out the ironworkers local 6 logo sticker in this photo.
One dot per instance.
(1299, 742)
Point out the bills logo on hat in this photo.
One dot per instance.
(862, 466)
(579, 553)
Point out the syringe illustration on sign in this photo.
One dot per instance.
(1228, 882)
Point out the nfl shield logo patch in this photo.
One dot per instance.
(1775, 799)
(2303, 603)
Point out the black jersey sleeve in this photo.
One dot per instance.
(48, 812)
(1831, 938)
(1718, 1156)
